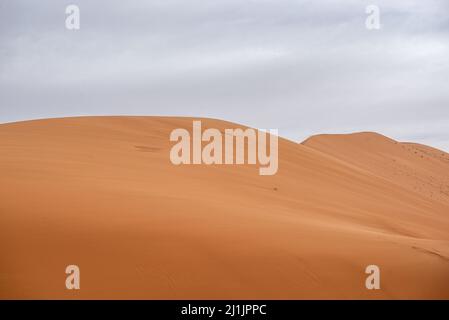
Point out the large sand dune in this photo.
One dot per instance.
(101, 193)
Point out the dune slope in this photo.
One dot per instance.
(416, 167)
(101, 193)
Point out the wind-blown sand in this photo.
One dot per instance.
(101, 193)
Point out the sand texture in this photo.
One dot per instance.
(101, 193)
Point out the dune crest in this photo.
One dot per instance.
(418, 168)
(101, 193)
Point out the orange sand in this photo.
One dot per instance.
(101, 193)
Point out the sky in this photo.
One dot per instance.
(303, 67)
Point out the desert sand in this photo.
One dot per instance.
(101, 193)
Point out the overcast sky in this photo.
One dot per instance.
(303, 67)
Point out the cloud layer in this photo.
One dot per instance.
(304, 67)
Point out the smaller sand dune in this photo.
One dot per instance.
(415, 167)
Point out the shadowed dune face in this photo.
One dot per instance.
(101, 193)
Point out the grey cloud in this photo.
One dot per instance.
(304, 67)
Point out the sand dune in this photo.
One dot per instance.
(101, 193)
(415, 167)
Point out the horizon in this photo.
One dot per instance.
(201, 118)
(302, 67)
